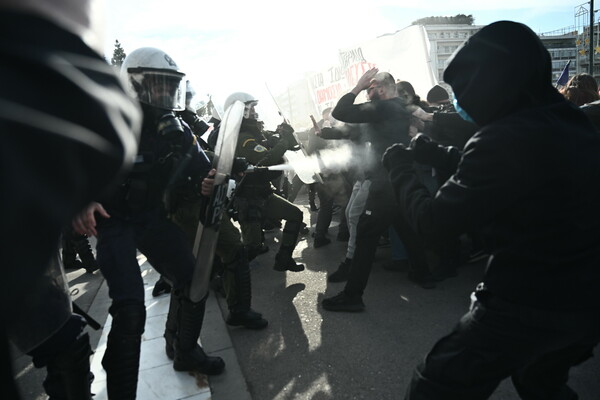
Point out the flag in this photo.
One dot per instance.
(564, 75)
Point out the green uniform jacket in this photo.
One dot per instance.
(252, 145)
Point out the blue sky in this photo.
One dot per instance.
(238, 45)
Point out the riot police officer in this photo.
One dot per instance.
(233, 255)
(169, 162)
(255, 200)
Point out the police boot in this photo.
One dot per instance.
(283, 258)
(83, 248)
(311, 197)
(69, 376)
(161, 287)
(189, 356)
(122, 357)
(239, 297)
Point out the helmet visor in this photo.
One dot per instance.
(160, 89)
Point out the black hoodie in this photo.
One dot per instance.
(528, 179)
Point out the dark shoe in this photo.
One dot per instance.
(287, 264)
(343, 272)
(161, 287)
(313, 206)
(343, 302)
(426, 282)
(321, 241)
(396, 265)
(248, 319)
(343, 236)
(197, 360)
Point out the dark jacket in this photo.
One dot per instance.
(527, 179)
(592, 110)
(166, 164)
(384, 122)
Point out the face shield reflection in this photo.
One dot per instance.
(164, 90)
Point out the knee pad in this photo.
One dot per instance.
(128, 318)
(296, 216)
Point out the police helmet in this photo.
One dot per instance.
(155, 78)
(249, 101)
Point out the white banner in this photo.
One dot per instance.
(404, 54)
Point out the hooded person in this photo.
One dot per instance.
(68, 131)
(524, 181)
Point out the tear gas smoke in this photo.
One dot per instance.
(329, 160)
(281, 167)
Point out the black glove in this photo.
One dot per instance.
(398, 155)
(426, 151)
(273, 139)
(287, 133)
(240, 164)
(284, 128)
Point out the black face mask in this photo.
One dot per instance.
(169, 126)
(164, 123)
(252, 125)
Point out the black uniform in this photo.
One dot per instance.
(527, 181)
(139, 221)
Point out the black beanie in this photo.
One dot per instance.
(437, 94)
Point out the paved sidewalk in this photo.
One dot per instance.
(157, 378)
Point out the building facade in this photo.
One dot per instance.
(444, 40)
(561, 44)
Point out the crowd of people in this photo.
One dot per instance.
(506, 164)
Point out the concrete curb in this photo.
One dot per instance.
(216, 339)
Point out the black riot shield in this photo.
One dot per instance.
(43, 310)
(207, 234)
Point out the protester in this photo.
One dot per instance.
(578, 95)
(524, 181)
(385, 120)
